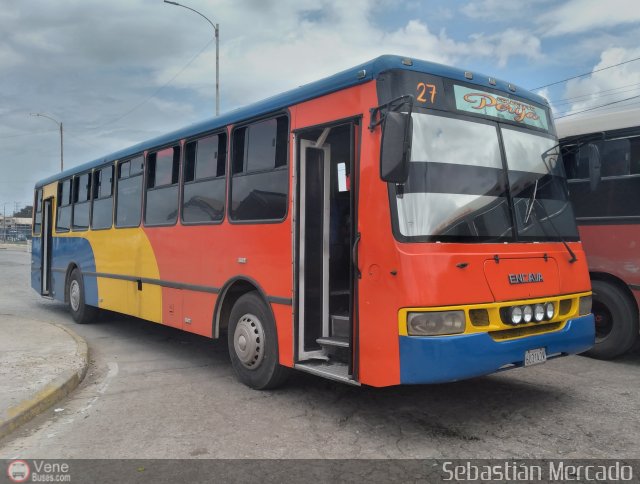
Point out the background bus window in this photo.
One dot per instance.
(204, 180)
(618, 193)
(102, 216)
(37, 213)
(260, 181)
(129, 193)
(162, 187)
(616, 159)
(81, 201)
(63, 212)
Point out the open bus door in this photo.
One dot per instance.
(325, 325)
(45, 240)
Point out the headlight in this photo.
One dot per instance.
(515, 315)
(527, 314)
(584, 306)
(549, 310)
(435, 323)
(538, 313)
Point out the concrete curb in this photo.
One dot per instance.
(57, 389)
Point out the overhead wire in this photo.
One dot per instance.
(585, 74)
(597, 107)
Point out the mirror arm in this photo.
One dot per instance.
(393, 105)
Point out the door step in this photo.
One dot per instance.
(332, 370)
(338, 341)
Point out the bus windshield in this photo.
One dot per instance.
(457, 189)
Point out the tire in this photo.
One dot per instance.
(82, 313)
(253, 344)
(616, 321)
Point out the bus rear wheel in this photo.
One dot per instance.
(81, 312)
(616, 321)
(253, 344)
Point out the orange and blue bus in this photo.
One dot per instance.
(400, 222)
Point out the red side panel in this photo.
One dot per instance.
(615, 250)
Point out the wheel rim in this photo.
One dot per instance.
(604, 321)
(74, 295)
(248, 341)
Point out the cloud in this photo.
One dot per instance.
(603, 87)
(576, 16)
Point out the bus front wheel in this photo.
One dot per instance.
(81, 312)
(253, 344)
(616, 321)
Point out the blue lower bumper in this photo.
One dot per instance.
(449, 358)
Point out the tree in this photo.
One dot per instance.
(25, 212)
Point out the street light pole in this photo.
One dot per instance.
(59, 123)
(216, 29)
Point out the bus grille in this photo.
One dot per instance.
(526, 331)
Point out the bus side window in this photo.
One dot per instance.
(163, 168)
(615, 156)
(64, 207)
(204, 180)
(576, 164)
(102, 214)
(129, 193)
(81, 201)
(37, 213)
(260, 181)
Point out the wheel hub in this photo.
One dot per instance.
(248, 341)
(74, 295)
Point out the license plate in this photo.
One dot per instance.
(535, 357)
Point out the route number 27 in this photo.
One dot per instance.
(428, 90)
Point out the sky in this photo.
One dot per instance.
(117, 72)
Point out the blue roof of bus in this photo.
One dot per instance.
(336, 82)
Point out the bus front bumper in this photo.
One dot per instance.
(450, 358)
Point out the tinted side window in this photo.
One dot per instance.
(615, 157)
(81, 201)
(204, 180)
(102, 216)
(260, 181)
(37, 213)
(618, 193)
(163, 168)
(129, 193)
(64, 207)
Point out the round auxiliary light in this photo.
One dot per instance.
(549, 310)
(527, 314)
(538, 313)
(516, 315)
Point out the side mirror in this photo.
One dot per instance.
(395, 150)
(595, 166)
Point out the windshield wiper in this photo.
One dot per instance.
(564, 242)
(530, 204)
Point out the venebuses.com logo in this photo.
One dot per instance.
(38, 471)
(18, 471)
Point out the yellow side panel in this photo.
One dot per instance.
(127, 252)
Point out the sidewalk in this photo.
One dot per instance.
(40, 363)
